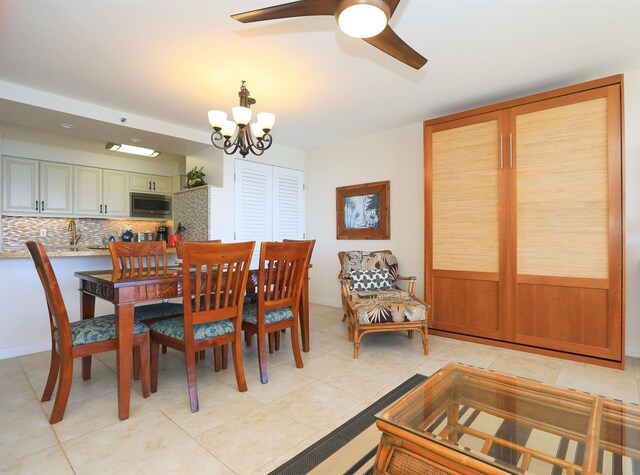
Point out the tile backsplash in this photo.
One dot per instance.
(16, 230)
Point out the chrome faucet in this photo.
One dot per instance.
(75, 237)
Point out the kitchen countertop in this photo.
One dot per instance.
(62, 251)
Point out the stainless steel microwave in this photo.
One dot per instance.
(146, 205)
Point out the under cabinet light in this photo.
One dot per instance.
(145, 152)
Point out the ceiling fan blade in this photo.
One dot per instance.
(393, 45)
(288, 10)
(393, 4)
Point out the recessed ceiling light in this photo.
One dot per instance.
(65, 125)
(135, 140)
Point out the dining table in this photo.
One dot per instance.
(126, 289)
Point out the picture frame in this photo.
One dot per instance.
(362, 211)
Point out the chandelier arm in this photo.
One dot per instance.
(217, 136)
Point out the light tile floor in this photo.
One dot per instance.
(243, 433)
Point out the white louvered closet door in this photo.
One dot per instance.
(269, 204)
(288, 204)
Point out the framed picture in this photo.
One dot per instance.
(362, 211)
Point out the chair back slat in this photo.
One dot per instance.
(221, 272)
(179, 245)
(58, 317)
(281, 273)
(139, 258)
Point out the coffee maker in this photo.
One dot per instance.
(161, 233)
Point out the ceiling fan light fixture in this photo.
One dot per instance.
(362, 18)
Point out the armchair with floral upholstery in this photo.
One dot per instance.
(372, 301)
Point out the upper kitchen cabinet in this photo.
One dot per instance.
(149, 183)
(99, 192)
(36, 187)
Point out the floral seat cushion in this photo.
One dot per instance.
(250, 314)
(389, 310)
(174, 328)
(156, 310)
(381, 294)
(93, 330)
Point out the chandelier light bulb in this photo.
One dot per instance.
(257, 130)
(217, 118)
(266, 120)
(228, 128)
(242, 115)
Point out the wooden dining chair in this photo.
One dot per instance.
(216, 276)
(220, 353)
(132, 259)
(280, 276)
(70, 340)
(274, 338)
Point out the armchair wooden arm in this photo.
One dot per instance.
(411, 283)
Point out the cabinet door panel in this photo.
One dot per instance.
(161, 184)
(467, 306)
(88, 191)
(116, 193)
(140, 182)
(565, 318)
(20, 189)
(56, 188)
(465, 198)
(463, 226)
(562, 197)
(568, 185)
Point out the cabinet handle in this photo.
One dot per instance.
(42, 205)
(149, 185)
(37, 205)
(501, 153)
(510, 150)
(100, 209)
(154, 186)
(105, 209)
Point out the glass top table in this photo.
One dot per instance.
(485, 422)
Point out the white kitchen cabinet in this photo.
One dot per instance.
(101, 192)
(149, 183)
(56, 188)
(37, 187)
(115, 192)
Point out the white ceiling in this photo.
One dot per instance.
(173, 60)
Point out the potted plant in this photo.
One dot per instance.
(195, 177)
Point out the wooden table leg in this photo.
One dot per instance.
(88, 308)
(124, 329)
(304, 312)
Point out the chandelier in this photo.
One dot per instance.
(255, 138)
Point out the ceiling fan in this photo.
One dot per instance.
(366, 19)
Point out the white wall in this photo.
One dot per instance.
(44, 146)
(632, 201)
(397, 155)
(24, 324)
(394, 155)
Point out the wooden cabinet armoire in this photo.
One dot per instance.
(524, 234)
